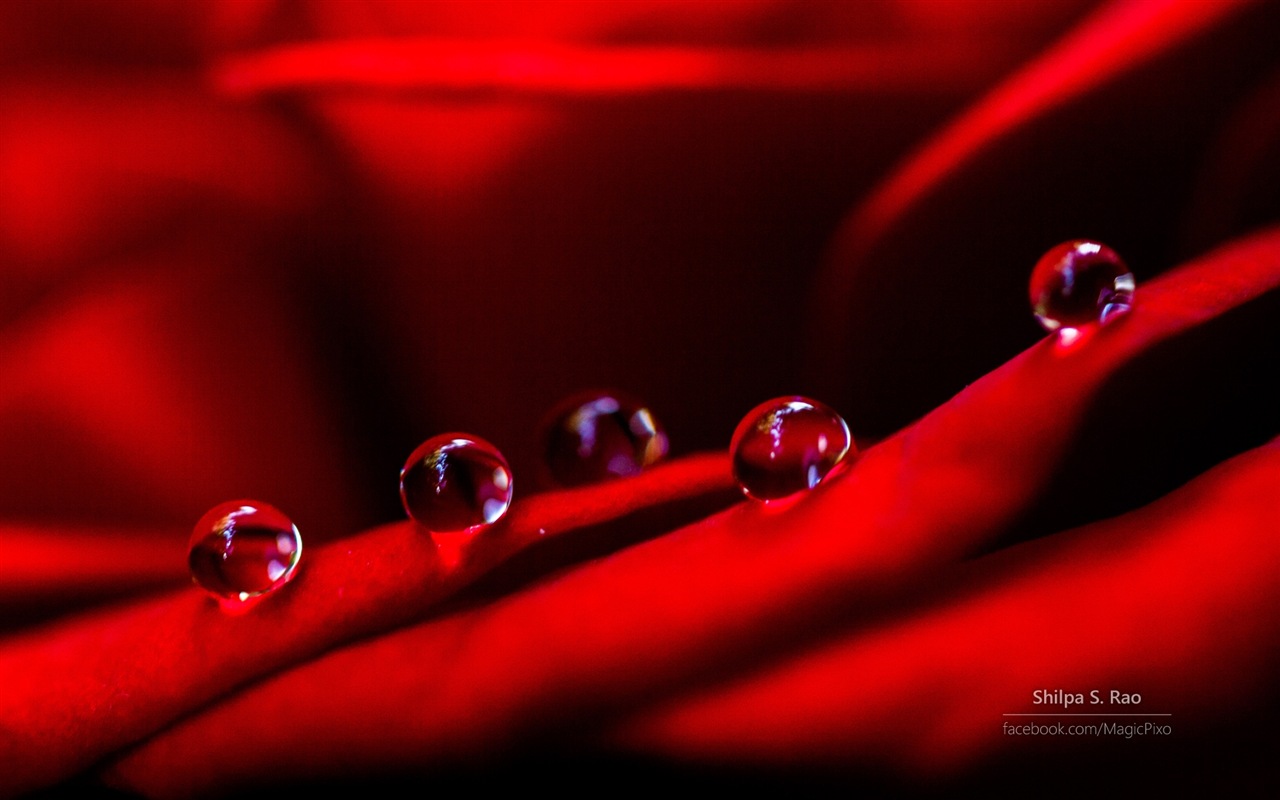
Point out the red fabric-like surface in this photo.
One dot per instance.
(739, 587)
(278, 292)
(80, 690)
(1176, 598)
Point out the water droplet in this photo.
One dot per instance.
(786, 446)
(1079, 282)
(600, 435)
(242, 549)
(455, 483)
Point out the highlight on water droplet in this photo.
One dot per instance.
(786, 446)
(242, 549)
(600, 435)
(1079, 282)
(454, 485)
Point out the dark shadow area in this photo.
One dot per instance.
(1178, 409)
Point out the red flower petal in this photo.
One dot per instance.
(724, 594)
(1176, 602)
(84, 688)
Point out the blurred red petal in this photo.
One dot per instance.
(1116, 38)
(1097, 137)
(167, 382)
(441, 66)
(90, 167)
(46, 569)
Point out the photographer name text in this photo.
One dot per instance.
(1094, 697)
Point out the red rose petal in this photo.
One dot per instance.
(720, 595)
(79, 690)
(45, 569)
(148, 394)
(1060, 150)
(447, 67)
(1176, 602)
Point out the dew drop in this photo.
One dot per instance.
(456, 483)
(1080, 282)
(598, 436)
(786, 446)
(243, 549)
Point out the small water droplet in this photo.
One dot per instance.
(786, 446)
(597, 436)
(1080, 282)
(242, 549)
(455, 483)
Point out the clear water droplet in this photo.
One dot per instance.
(1080, 282)
(456, 483)
(243, 549)
(786, 446)
(597, 436)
